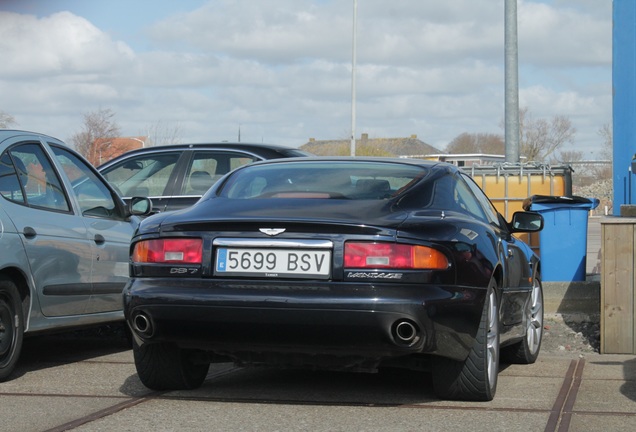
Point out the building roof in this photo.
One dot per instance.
(109, 148)
(390, 146)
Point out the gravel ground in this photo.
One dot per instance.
(562, 336)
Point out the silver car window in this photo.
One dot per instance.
(10, 187)
(39, 182)
(94, 197)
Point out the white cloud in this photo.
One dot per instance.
(57, 45)
(282, 69)
(563, 37)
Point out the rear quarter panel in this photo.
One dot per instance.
(15, 265)
(471, 247)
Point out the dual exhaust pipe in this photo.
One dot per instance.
(404, 332)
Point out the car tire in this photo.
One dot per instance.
(165, 366)
(475, 378)
(11, 327)
(527, 350)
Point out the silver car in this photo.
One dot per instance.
(64, 240)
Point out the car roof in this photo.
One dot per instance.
(9, 133)
(244, 146)
(229, 144)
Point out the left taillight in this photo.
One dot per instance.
(169, 251)
(377, 255)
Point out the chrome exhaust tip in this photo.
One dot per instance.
(406, 332)
(142, 324)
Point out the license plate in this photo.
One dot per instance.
(284, 263)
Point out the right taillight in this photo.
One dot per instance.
(378, 255)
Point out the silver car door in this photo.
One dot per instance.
(109, 232)
(55, 239)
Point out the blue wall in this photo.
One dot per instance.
(624, 104)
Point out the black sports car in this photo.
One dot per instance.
(337, 263)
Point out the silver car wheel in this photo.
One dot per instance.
(535, 317)
(492, 339)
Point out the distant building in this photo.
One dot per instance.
(401, 147)
(410, 147)
(465, 159)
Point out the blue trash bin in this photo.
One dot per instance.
(563, 239)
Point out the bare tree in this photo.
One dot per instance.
(486, 143)
(160, 133)
(6, 120)
(594, 176)
(540, 138)
(567, 157)
(96, 136)
(606, 133)
(603, 171)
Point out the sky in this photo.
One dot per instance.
(280, 71)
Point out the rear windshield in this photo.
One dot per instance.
(359, 180)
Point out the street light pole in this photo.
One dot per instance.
(511, 109)
(353, 81)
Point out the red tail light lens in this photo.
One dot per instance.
(169, 251)
(367, 255)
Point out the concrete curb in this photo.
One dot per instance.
(573, 301)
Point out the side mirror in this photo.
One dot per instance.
(140, 206)
(526, 222)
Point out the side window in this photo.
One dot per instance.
(94, 197)
(466, 201)
(10, 187)
(37, 182)
(490, 210)
(237, 161)
(209, 166)
(144, 175)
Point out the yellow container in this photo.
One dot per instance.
(508, 185)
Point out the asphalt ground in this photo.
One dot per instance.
(86, 381)
(89, 383)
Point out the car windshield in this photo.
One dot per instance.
(356, 180)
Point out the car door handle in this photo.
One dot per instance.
(510, 253)
(29, 232)
(99, 239)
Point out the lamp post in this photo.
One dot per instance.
(101, 146)
(511, 109)
(353, 81)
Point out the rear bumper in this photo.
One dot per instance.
(259, 320)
